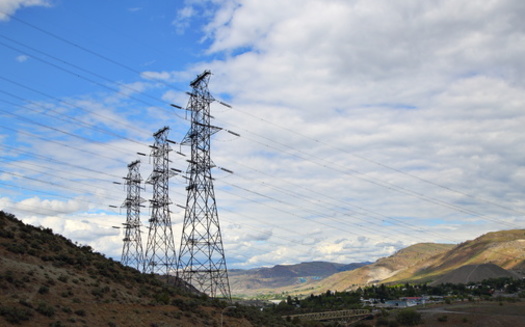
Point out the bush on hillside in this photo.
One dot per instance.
(15, 315)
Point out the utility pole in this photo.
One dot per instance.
(160, 249)
(201, 260)
(132, 253)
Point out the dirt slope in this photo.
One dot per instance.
(474, 273)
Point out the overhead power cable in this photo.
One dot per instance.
(82, 77)
(357, 174)
(61, 144)
(320, 214)
(122, 85)
(115, 122)
(52, 160)
(94, 53)
(375, 162)
(27, 120)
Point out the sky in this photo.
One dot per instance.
(365, 126)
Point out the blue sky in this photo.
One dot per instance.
(366, 126)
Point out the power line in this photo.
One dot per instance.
(375, 162)
(346, 171)
(52, 160)
(117, 122)
(48, 140)
(122, 85)
(96, 54)
(25, 119)
(78, 75)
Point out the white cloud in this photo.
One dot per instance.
(156, 75)
(9, 7)
(22, 58)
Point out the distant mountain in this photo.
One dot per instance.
(260, 280)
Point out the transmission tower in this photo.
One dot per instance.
(160, 248)
(132, 253)
(201, 260)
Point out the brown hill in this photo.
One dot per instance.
(503, 248)
(46, 280)
(474, 273)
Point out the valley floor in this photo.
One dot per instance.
(482, 314)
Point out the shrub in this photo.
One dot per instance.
(100, 291)
(6, 234)
(162, 298)
(443, 318)
(81, 313)
(17, 248)
(408, 317)
(63, 278)
(43, 290)
(9, 276)
(45, 309)
(15, 315)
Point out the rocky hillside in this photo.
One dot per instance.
(46, 280)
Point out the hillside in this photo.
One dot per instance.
(503, 248)
(260, 280)
(46, 280)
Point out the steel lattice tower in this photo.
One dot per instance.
(132, 253)
(201, 260)
(160, 255)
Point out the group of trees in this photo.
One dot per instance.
(381, 293)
